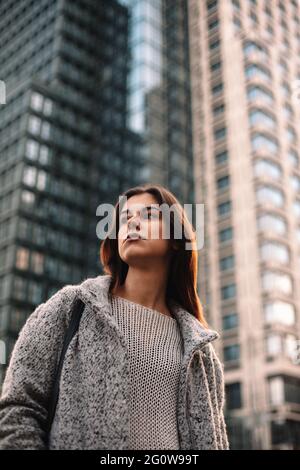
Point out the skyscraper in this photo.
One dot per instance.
(159, 101)
(246, 114)
(98, 100)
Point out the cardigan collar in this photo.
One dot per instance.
(96, 292)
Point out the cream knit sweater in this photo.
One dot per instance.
(155, 353)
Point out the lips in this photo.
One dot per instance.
(133, 236)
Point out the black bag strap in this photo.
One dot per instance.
(76, 313)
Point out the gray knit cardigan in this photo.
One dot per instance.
(92, 410)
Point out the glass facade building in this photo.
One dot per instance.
(159, 92)
(98, 100)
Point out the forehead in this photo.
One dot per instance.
(138, 201)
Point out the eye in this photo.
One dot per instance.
(154, 215)
(150, 215)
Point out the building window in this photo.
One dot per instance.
(44, 155)
(267, 168)
(223, 182)
(221, 157)
(37, 262)
(19, 288)
(265, 143)
(285, 89)
(37, 101)
(293, 158)
(219, 109)
(213, 24)
(224, 208)
(236, 5)
(268, 12)
(220, 133)
(233, 396)
(255, 92)
(22, 258)
(295, 183)
(230, 321)
(273, 344)
(215, 66)
(251, 47)
(288, 112)
(211, 5)
(292, 390)
(284, 389)
(45, 132)
(23, 229)
(41, 180)
(282, 67)
(228, 292)
(279, 312)
(216, 89)
(28, 199)
(278, 282)
(226, 263)
(34, 125)
(262, 118)
(254, 18)
(48, 105)
(274, 252)
(237, 24)
(214, 45)
(291, 348)
(35, 292)
(29, 176)
(296, 208)
(231, 352)
(51, 267)
(270, 195)
(291, 135)
(272, 223)
(276, 390)
(270, 31)
(17, 319)
(226, 234)
(257, 71)
(32, 149)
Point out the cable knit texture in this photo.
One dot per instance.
(155, 352)
(93, 410)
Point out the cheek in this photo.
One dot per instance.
(120, 240)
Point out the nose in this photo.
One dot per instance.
(133, 224)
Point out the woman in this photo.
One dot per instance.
(140, 372)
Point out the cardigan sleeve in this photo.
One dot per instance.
(29, 377)
(220, 393)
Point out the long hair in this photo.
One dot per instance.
(183, 269)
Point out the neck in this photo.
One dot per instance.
(146, 287)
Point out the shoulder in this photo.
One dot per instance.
(52, 313)
(56, 309)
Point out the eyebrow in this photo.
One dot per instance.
(147, 207)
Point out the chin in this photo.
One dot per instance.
(135, 259)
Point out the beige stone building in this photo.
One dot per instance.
(245, 60)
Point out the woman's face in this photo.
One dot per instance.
(136, 216)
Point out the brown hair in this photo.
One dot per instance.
(182, 280)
